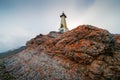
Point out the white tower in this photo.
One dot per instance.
(63, 25)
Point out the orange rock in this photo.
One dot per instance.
(84, 53)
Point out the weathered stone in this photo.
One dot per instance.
(84, 53)
(97, 67)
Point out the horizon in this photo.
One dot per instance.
(22, 20)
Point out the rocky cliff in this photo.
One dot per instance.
(84, 53)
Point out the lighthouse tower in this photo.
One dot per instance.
(63, 25)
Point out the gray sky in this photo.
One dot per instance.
(21, 20)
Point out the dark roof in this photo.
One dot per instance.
(63, 15)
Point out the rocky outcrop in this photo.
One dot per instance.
(84, 53)
(117, 42)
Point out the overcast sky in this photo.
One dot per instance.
(21, 20)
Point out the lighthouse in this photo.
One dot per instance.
(63, 24)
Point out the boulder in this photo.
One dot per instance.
(83, 53)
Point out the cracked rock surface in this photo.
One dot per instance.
(84, 53)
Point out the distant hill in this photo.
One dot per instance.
(11, 52)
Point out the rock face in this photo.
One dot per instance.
(84, 53)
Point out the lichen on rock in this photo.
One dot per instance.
(84, 53)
